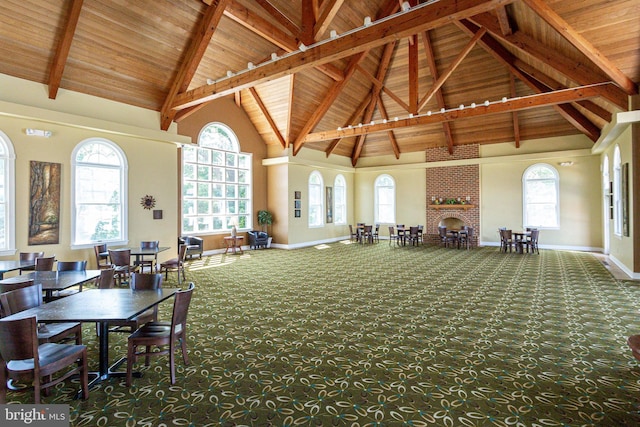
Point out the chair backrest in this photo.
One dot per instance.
(469, 232)
(21, 299)
(442, 231)
(100, 249)
(413, 230)
(368, 228)
(152, 244)
(534, 235)
(72, 265)
(30, 256)
(19, 340)
(391, 233)
(120, 257)
(182, 253)
(181, 303)
(6, 287)
(45, 263)
(400, 225)
(105, 281)
(145, 281)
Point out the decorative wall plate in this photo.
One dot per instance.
(148, 202)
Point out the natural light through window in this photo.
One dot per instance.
(316, 200)
(216, 183)
(617, 192)
(340, 200)
(540, 185)
(385, 200)
(7, 192)
(99, 192)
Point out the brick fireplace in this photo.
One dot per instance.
(452, 182)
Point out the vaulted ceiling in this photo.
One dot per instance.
(352, 78)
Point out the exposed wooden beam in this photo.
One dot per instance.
(496, 107)
(431, 60)
(421, 18)
(516, 124)
(583, 45)
(308, 22)
(413, 74)
(322, 109)
(495, 49)
(267, 116)
(280, 17)
(356, 114)
(328, 12)
(503, 21)
(62, 51)
(444, 76)
(275, 35)
(392, 137)
(385, 89)
(195, 52)
(291, 104)
(573, 70)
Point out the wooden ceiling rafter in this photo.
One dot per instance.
(521, 103)
(571, 69)
(452, 67)
(392, 136)
(327, 12)
(307, 35)
(503, 21)
(326, 103)
(583, 45)
(62, 50)
(199, 43)
(351, 121)
(279, 16)
(263, 28)
(289, 136)
(425, 17)
(381, 75)
(433, 68)
(267, 116)
(516, 125)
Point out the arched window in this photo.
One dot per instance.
(7, 196)
(540, 190)
(316, 201)
(340, 200)
(385, 200)
(617, 192)
(99, 193)
(216, 183)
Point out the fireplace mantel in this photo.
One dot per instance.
(454, 206)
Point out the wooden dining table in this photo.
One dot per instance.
(52, 281)
(13, 265)
(101, 306)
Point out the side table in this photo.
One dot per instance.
(234, 243)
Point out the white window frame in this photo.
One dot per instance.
(316, 205)
(526, 222)
(224, 218)
(378, 186)
(617, 192)
(8, 157)
(124, 185)
(340, 200)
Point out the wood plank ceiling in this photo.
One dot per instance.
(314, 74)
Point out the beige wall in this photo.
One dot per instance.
(152, 170)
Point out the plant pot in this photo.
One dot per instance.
(269, 239)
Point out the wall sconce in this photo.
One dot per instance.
(566, 164)
(38, 132)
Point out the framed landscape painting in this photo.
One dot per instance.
(44, 203)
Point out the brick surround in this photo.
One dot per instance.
(452, 181)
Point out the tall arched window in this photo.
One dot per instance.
(99, 193)
(7, 196)
(385, 200)
(340, 200)
(316, 200)
(540, 190)
(617, 192)
(216, 183)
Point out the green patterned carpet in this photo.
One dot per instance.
(374, 335)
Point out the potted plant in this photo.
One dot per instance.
(265, 219)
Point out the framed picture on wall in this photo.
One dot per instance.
(329, 195)
(297, 204)
(297, 195)
(297, 213)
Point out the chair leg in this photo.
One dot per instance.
(172, 364)
(131, 358)
(84, 376)
(183, 344)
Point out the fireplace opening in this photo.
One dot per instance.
(452, 223)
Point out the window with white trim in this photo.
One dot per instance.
(216, 183)
(316, 200)
(617, 192)
(385, 200)
(99, 193)
(340, 200)
(540, 191)
(7, 196)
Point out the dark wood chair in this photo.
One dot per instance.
(445, 238)
(29, 256)
(353, 236)
(150, 261)
(15, 284)
(412, 237)
(21, 356)
(45, 263)
(162, 334)
(121, 260)
(393, 237)
(175, 264)
(634, 343)
(376, 234)
(367, 234)
(467, 237)
(24, 298)
(140, 281)
(506, 240)
(70, 266)
(102, 256)
(420, 234)
(532, 241)
(105, 280)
